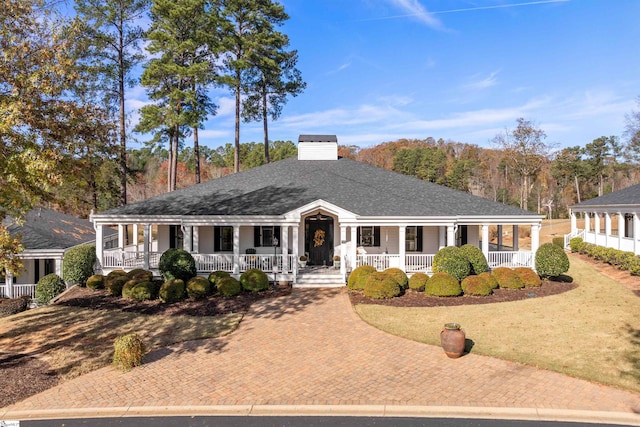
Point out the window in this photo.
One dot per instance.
(413, 239)
(263, 235)
(176, 237)
(223, 239)
(368, 236)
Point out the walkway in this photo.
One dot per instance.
(310, 348)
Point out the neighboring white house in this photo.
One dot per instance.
(619, 211)
(318, 205)
(46, 235)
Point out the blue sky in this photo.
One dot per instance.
(381, 70)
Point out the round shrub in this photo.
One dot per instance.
(575, 243)
(48, 288)
(529, 277)
(114, 282)
(452, 260)
(507, 278)
(229, 286)
(78, 264)
(476, 258)
(172, 290)
(476, 285)
(128, 351)
(381, 285)
(254, 280)
(127, 287)
(215, 276)
(95, 282)
(488, 277)
(140, 274)
(551, 260)
(417, 281)
(399, 275)
(198, 287)
(358, 277)
(443, 284)
(177, 264)
(143, 291)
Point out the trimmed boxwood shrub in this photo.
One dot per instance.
(575, 244)
(476, 258)
(529, 277)
(443, 284)
(399, 275)
(558, 241)
(417, 281)
(452, 260)
(127, 287)
(198, 287)
(229, 286)
(507, 278)
(488, 277)
(358, 277)
(144, 291)
(95, 282)
(78, 264)
(551, 260)
(140, 274)
(128, 351)
(48, 288)
(476, 285)
(215, 276)
(172, 290)
(114, 281)
(254, 280)
(177, 264)
(381, 285)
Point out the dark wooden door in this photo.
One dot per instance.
(320, 241)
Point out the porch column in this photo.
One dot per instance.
(296, 249)
(574, 223)
(135, 236)
(442, 234)
(636, 228)
(99, 244)
(195, 239)
(620, 229)
(484, 230)
(236, 249)
(402, 237)
(343, 250)
(284, 245)
(587, 222)
(451, 235)
(499, 237)
(607, 228)
(8, 279)
(353, 256)
(535, 238)
(188, 238)
(146, 242)
(516, 238)
(121, 237)
(596, 225)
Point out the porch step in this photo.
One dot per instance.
(325, 280)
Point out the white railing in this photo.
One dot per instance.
(510, 259)
(379, 261)
(213, 262)
(129, 259)
(17, 290)
(267, 262)
(415, 263)
(568, 237)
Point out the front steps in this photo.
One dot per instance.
(319, 277)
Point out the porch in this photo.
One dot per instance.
(617, 229)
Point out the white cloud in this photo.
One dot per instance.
(477, 82)
(417, 10)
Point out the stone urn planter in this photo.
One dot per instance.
(452, 339)
(302, 261)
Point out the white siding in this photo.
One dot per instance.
(317, 151)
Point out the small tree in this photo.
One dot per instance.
(551, 260)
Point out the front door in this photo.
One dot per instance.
(319, 239)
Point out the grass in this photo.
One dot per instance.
(78, 340)
(591, 332)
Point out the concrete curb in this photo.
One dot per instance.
(387, 411)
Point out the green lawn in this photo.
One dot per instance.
(591, 332)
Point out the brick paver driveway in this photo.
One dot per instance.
(310, 348)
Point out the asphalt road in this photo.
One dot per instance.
(294, 421)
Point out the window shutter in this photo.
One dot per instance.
(217, 238)
(276, 232)
(358, 237)
(256, 237)
(419, 238)
(376, 236)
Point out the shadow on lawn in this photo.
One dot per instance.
(634, 356)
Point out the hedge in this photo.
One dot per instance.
(78, 264)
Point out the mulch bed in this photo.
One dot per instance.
(22, 376)
(413, 298)
(213, 306)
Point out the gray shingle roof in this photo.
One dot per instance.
(626, 197)
(282, 186)
(317, 138)
(48, 229)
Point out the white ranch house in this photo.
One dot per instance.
(611, 220)
(318, 205)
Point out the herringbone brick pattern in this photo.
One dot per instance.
(310, 348)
